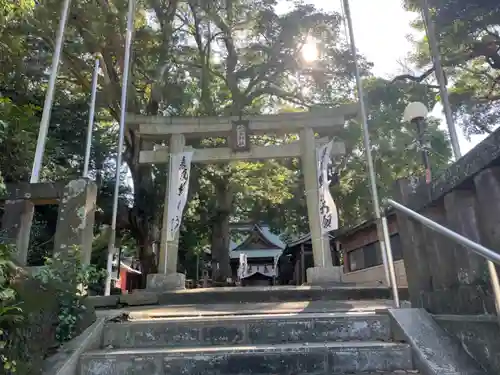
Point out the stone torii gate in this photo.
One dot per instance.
(178, 131)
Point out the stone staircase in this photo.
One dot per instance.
(250, 343)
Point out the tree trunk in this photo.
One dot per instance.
(142, 217)
(221, 268)
(147, 258)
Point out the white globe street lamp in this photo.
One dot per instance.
(416, 113)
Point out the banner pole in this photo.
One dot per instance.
(49, 96)
(121, 136)
(382, 229)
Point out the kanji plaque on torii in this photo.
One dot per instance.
(240, 136)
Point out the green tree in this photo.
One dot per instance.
(395, 149)
(209, 58)
(469, 42)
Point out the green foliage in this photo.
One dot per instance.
(30, 308)
(71, 279)
(10, 311)
(471, 64)
(394, 147)
(17, 139)
(192, 59)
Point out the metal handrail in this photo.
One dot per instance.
(490, 255)
(474, 246)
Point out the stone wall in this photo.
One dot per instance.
(479, 336)
(77, 204)
(443, 277)
(376, 275)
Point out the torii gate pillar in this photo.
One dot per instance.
(323, 270)
(167, 277)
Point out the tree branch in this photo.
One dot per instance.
(416, 79)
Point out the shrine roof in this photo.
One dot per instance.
(265, 234)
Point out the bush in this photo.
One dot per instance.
(10, 312)
(71, 280)
(53, 311)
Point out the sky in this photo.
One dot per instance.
(381, 31)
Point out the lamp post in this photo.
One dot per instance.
(416, 113)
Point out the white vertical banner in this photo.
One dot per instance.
(328, 215)
(180, 168)
(243, 267)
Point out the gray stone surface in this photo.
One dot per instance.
(312, 359)
(139, 298)
(443, 277)
(75, 221)
(434, 351)
(39, 193)
(274, 294)
(16, 227)
(104, 301)
(160, 282)
(323, 275)
(462, 217)
(65, 361)
(249, 295)
(479, 335)
(247, 309)
(249, 330)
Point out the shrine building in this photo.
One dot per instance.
(262, 249)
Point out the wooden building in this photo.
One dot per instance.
(262, 248)
(356, 250)
(362, 256)
(297, 258)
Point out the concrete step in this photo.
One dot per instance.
(220, 309)
(234, 295)
(247, 330)
(283, 359)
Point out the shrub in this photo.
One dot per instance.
(10, 311)
(53, 310)
(71, 279)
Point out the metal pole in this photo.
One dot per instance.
(49, 96)
(420, 123)
(436, 57)
(88, 143)
(123, 112)
(382, 232)
(385, 263)
(495, 286)
(390, 262)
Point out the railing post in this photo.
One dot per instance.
(390, 262)
(495, 286)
